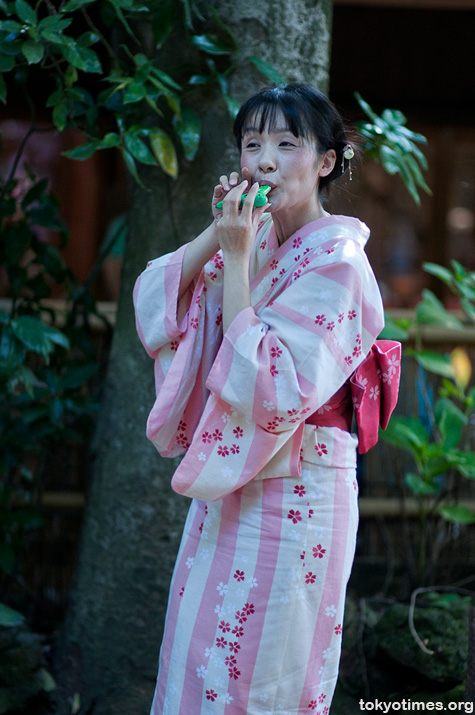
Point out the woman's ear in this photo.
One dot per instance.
(327, 163)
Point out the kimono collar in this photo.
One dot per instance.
(358, 231)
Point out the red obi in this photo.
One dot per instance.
(370, 394)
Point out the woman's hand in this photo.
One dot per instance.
(224, 187)
(237, 228)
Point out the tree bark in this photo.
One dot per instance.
(110, 644)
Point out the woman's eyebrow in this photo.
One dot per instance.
(256, 130)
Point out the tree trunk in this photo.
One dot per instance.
(109, 650)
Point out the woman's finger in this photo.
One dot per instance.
(246, 174)
(234, 178)
(234, 196)
(248, 205)
(224, 182)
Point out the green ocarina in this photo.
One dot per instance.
(260, 200)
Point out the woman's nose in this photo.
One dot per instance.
(267, 161)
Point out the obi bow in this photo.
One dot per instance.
(374, 391)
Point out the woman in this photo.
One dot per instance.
(266, 317)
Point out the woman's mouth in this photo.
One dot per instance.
(263, 182)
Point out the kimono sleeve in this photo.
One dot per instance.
(182, 336)
(282, 363)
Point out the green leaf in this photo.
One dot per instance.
(232, 105)
(22, 380)
(406, 432)
(267, 70)
(174, 104)
(468, 308)
(393, 117)
(151, 103)
(419, 155)
(407, 176)
(457, 514)
(33, 51)
(37, 336)
(135, 92)
(48, 683)
(430, 311)
(389, 159)
(53, 24)
(138, 148)
(365, 107)
(434, 362)
(419, 486)
(111, 139)
(417, 173)
(223, 82)
(9, 617)
(25, 12)
(81, 152)
(211, 44)
(162, 22)
(11, 26)
(164, 151)
(12, 353)
(3, 90)
(450, 422)
(439, 271)
(88, 38)
(71, 52)
(90, 60)
(188, 132)
(34, 193)
(7, 63)
(73, 5)
(465, 463)
(392, 331)
(60, 116)
(165, 78)
(130, 164)
(199, 79)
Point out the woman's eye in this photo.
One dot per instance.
(252, 145)
(286, 143)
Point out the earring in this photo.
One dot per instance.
(348, 154)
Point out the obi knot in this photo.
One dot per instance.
(374, 390)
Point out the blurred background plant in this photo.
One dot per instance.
(439, 437)
(47, 362)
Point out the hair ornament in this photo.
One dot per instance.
(348, 154)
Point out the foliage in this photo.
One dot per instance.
(438, 438)
(389, 141)
(113, 90)
(107, 67)
(22, 675)
(99, 58)
(43, 369)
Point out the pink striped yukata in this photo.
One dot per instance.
(254, 621)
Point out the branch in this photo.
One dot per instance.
(429, 589)
(18, 156)
(96, 30)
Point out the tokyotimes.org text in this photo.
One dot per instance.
(407, 705)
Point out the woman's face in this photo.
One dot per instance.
(289, 164)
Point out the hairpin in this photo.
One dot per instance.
(348, 154)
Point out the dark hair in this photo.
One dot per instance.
(308, 113)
